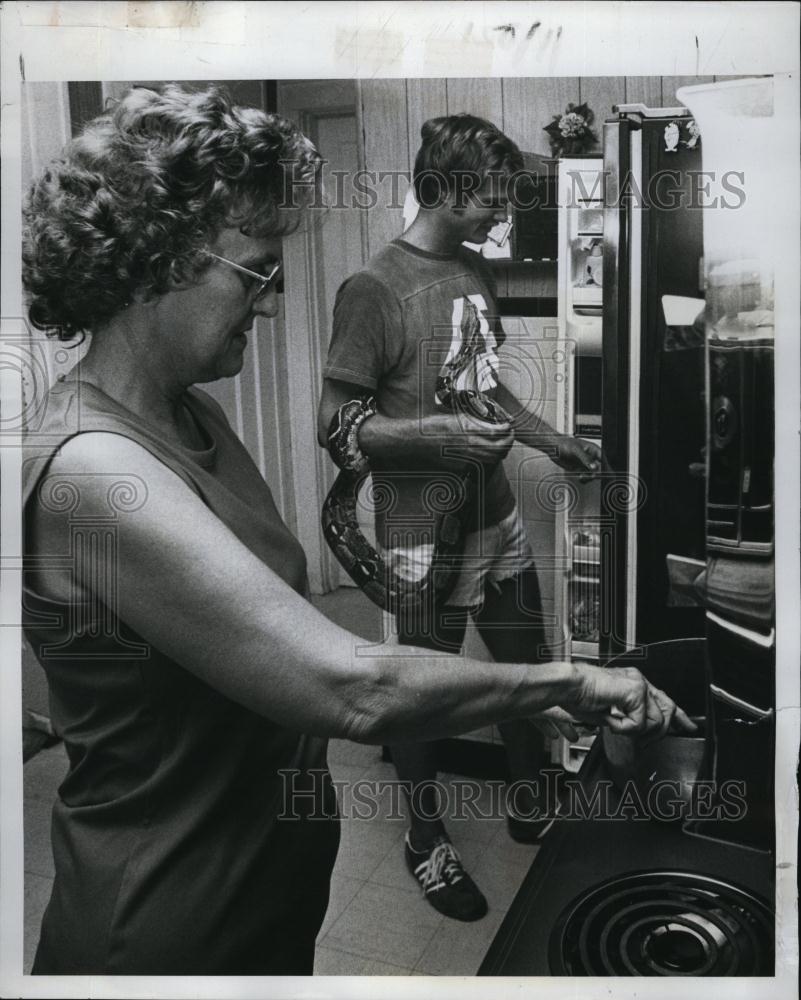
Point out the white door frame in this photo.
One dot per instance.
(307, 319)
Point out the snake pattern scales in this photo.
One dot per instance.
(364, 564)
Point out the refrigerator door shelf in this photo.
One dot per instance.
(585, 332)
(588, 295)
(751, 712)
(766, 640)
(585, 650)
(581, 221)
(588, 311)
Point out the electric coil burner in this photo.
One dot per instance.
(663, 924)
(635, 897)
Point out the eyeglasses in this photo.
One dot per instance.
(260, 282)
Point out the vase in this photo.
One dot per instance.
(568, 147)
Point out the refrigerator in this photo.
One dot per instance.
(576, 504)
(652, 519)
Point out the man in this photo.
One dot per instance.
(416, 324)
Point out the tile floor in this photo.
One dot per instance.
(377, 922)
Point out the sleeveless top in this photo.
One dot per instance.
(177, 847)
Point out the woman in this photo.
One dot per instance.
(188, 674)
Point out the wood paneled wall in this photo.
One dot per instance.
(392, 112)
(520, 106)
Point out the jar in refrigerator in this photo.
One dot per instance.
(595, 266)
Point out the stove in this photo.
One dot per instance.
(635, 896)
(663, 924)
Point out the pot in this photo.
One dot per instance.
(664, 771)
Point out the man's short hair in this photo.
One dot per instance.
(459, 153)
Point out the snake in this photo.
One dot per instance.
(367, 566)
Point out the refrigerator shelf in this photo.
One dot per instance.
(588, 295)
(587, 552)
(585, 650)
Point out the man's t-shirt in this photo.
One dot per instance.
(405, 325)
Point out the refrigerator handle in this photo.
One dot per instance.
(616, 611)
(617, 164)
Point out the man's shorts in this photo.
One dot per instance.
(496, 553)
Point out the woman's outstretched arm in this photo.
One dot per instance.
(187, 585)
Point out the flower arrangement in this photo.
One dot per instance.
(570, 133)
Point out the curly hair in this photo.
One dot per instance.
(457, 145)
(146, 187)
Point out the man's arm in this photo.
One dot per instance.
(414, 439)
(366, 343)
(572, 454)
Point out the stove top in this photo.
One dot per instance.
(636, 897)
(663, 924)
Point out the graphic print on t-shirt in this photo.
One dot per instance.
(472, 361)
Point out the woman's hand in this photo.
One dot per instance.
(621, 698)
(555, 722)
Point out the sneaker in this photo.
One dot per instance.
(528, 831)
(445, 883)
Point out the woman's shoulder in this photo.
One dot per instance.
(103, 479)
(55, 427)
(92, 458)
(86, 437)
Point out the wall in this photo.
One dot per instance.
(317, 259)
(45, 130)
(393, 111)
